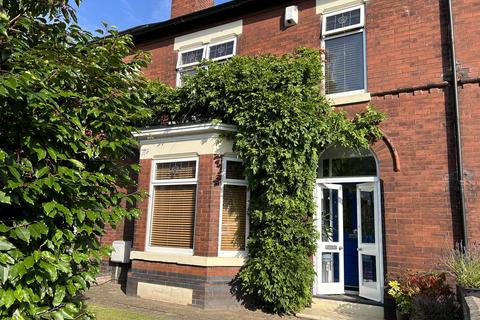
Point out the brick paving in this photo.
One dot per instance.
(111, 295)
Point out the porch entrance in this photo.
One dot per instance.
(349, 255)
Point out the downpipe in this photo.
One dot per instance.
(456, 102)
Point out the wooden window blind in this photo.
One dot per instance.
(235, 170)
(173, 216)
(176, 170)
(234, 218)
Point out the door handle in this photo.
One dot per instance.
(340, 248)
(359, 249)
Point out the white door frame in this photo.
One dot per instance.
(332, 247)
(378, 225)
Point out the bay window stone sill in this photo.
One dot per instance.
(188, 260)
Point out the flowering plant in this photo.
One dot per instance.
(428, 284)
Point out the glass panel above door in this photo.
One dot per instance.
(342, 162)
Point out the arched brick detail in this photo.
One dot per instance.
(386, 152)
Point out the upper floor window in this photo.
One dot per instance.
(344, 44)
(189, 59)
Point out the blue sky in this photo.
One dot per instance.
(123, 14)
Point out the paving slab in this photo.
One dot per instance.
(327, 309)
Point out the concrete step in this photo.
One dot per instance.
(327, 309)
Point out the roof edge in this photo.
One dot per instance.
(188, 21)
(182, 130)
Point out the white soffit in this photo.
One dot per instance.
(197, 139)
(327, 6)
(209, 35)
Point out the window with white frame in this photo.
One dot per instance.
(172, 207)
(344, 43)
(189, 59)
(234, 204)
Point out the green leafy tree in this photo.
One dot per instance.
(67, 102)
(284, 122)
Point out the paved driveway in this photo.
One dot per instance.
(111, 296)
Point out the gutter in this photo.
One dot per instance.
(456, 105)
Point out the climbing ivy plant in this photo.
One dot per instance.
(284, 122)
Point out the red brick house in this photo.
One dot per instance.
(396, 206)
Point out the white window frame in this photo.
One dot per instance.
(212, 44)
(342, 32)
(361, 24)
(235, 182)
(182, 67)
(179, 60)
(170, 182)
(205, 56)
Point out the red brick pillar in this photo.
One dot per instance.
(141, 221)
(208, 206)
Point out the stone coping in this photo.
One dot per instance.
(188, 260)
(473, 307)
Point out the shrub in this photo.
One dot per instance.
(435, 308)
(464, 264)
(408, 286)
(66, 103)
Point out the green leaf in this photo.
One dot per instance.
(41, 172)
(57, 315)
(50, 269)
(8, 298)
(37, 230)
(48, 207)
(59, 295)
(17, 315)
(41, 153)
(4, 198)
(27, 198)
(14, 172)
(22, 233)
(5, 245)
(52, 153)
(4, 273)
(29, 262)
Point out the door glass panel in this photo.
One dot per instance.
(369, 269)
(330, 267)
(368, 217)
(330, 216)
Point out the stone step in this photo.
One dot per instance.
(328, 309)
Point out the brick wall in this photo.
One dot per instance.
(208, 206)
(211, 286)
(183, 7)
(141, 221)
(467, 13)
